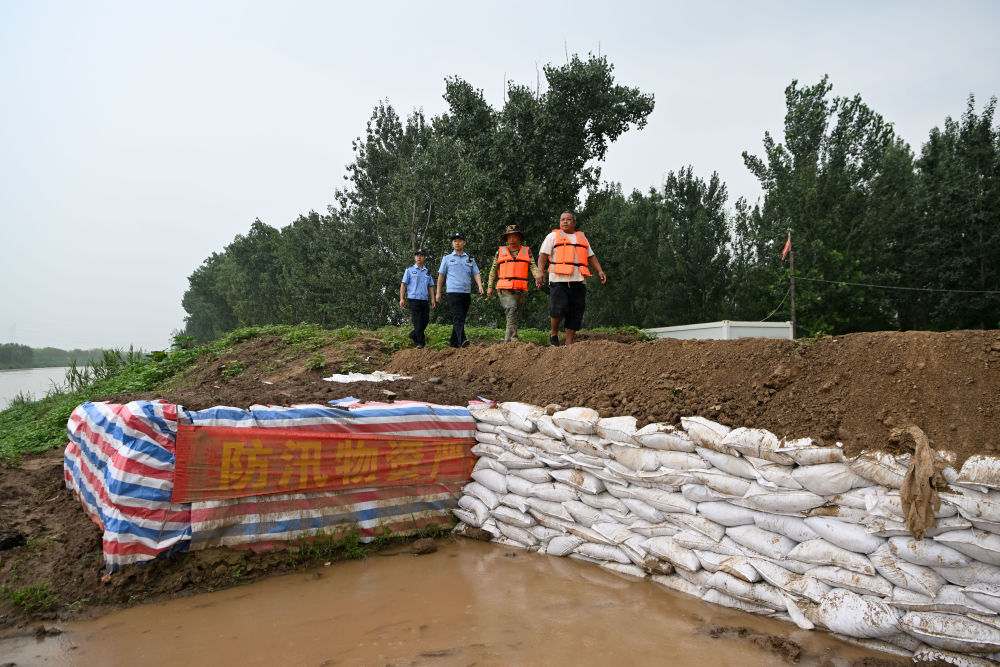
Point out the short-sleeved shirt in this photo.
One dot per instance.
(417, 282)
(458, 271)
(546, 249)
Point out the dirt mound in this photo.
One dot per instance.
(854, 389)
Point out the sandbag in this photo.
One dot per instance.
(779, 501)
(880, 468)
(862, 584)
(951, 632)
(618, 429)
(488, 414)
(681, 460)
(491, 479)
(706, 432)
(762, 594)
(603, 501)
(727, 514)
(806, 453)
(629, 570)
(489, 438)
(483, 427)
(553, 446)
(904, 574)
(548, 507)
(776, 475)
(664, 437)
(465, 518)
(718, 597)
(636, 458)
(981, 471)
(855, 616)
(720, 482)
(547, 427)
(799, 584)
(680, 584)
(949, 599)
(477, 490)
(516, 501)
(690, 539)
(533, 475)
(580, 480)
(519, 535)
(792, 527)
(603, 552)
(935, 656)
(978, 544)
(643, 510)
(667, 549)
(577, 420)
(544, 534)
(736, 566)
(699, 493)
(563, 545)
(927, 552)
(583, 514)
(521, 415)
(590, 445)
(973, 573)
(706, 527)
(848, 536)
(613, 531)
(762, 541)
(986, 595)
(729, 464)
(513, 517)
(477, 507)
(665, 501)
(554, 491)
(973, 504)
(492, 464)
(828, 479)
(486, 449)
(654, 529)
(757, 442)
(821, 552)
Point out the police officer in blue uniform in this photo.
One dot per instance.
(418, 287)
(457, 271)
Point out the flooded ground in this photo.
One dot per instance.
(468, 603)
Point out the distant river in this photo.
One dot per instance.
(35, 381)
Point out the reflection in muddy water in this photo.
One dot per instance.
(471, 602)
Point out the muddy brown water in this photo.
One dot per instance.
(468, 603)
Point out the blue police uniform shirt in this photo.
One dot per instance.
(417, 282)
(458, 270)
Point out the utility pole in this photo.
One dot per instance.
(791, 269)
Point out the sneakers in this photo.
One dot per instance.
(420, 347)
(466, 343)
(554, 341)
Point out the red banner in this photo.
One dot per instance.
(213, 462)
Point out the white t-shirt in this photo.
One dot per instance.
(546, 249)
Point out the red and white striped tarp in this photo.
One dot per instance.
(119, 462)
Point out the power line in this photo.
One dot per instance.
(766, 317)
(912, 289)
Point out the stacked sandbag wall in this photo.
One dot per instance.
(740, 518)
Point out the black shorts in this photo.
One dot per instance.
(568, 301)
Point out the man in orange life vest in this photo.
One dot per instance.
(512, 266)
(567, 255)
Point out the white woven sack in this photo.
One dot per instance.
(706, 527)
(727, 514)
(665, 501)
(547, 427)
(512, 517)
(690, 539)
(515, 435)
(603, 501)
(588, 534)
(806, 453)
(667, 549)
(735, 566)
(653, 529)
(935, 656)
(543, 533)
(981, 471)
(517, 534)
(550, 445)
(798, 584)
(949, 599)
(828, 479)
(904, 574)
(855, 616)
(663, 477)
(643, 510)
(490, 415)
(762, 541)
(477, 490)
(488, 438)
(624, 517)
(862, 584)
(848, 536)
(861, 498)
(974, 504)
(519, 485)
(880, 468)
(483, 427)
(842, 514)
(931, 553)
(492, 464)
(466, 518)
(664, 437)
(973, 573)
(533, 475)
(791, 527)
(554, 491)
(577, 420)
(718, 597)
(707, 433)
(635, 458)
(612, 531)
(760, 594)
(562, 545)
(679, 584)
(583, 514)
(618, 429)
(591, 445)
(521, 415)
(628, 570)
(697, 492)
(681, 461)
(517, 462)
(757, 442)
(699, 576)
(477, 507)
(491, 479)
(779, 501)
(720, 482)
(978, 544)
(821, 552)
(986, 595)
(486, 449)
(951, 632)
(603, 552)
(731, 465)
(516, 501)
(776, 475)
(580, 480)
(548, 507)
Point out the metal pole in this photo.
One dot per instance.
(791, 267)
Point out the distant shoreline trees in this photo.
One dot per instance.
(882, 239)
(16, 356)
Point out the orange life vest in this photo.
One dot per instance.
(566, 254)
(513, 270)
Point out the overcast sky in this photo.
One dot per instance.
(136, 138)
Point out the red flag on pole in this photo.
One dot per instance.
(788, 247)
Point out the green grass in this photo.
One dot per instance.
(32, 598)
